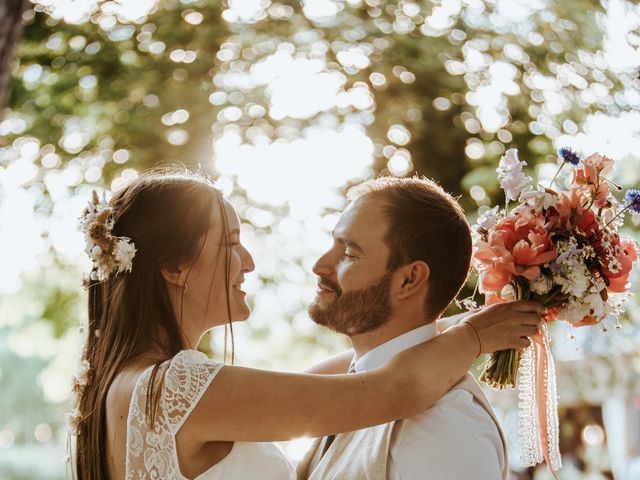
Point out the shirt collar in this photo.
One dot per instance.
(378, 356)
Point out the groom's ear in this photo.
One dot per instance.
(412, 278)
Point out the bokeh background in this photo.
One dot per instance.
(287, 104)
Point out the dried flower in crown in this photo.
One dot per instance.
(73, 420)
(109, 253)
(82, 377)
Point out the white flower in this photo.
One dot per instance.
(467, 303)
(488, 219)
(614, 265)
(597, 306)
(539, 199)
(588, 252)
(541, 285)
(574, 280)
(512, 179)
(508, 293)
(118, 254)
(72, 419)
(580, 278)
(81, 377)
(569, 255)
(124, 252)
(574, 311)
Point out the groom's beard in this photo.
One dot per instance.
(356, 312)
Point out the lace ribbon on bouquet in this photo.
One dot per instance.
(538, 416)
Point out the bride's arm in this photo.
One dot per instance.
(444, 323)
(338, 363)
(244, 404)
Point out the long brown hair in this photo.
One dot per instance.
(165, 212)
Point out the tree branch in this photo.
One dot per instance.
(10, 30)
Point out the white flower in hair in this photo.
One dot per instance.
(73, 419)
(82, 376)
(109, 253)
(124, 253)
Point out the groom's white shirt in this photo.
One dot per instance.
(455, 439)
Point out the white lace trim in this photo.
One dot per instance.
(529, 426)
(152, 454)
(530, 447)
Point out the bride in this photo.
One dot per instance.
(168, 266)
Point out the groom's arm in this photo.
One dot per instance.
(336, 365)
(444, 323)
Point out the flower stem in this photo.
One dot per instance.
(557, 173)
(621, 212)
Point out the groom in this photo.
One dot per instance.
(400, 255)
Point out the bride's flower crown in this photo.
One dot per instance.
(110, 254)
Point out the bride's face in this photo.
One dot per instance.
(215, 273)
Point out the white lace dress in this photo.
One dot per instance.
(151, 454)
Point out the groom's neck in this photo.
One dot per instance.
(393, 328)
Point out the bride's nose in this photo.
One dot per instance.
(247, 260)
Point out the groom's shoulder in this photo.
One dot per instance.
(457, 409)
(457, 420)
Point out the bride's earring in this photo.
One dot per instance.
(184, 288)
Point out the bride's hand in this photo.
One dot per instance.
(506, 325)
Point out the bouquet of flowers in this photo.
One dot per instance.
(560, 245)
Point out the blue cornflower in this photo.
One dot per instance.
(632, 200)
(569, 155)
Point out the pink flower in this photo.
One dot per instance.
(516, 246)
(617, 267)
(590, 177)
(570, 206)
(601, 163)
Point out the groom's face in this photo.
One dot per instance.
(353, 284)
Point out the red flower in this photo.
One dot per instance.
(588, 223)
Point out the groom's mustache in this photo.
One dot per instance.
(326, 283)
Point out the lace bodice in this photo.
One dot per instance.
(151, 453)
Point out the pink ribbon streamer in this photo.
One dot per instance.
(542, 395)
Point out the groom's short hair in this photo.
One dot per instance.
(425, 223)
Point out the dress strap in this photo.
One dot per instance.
(187, 378)
(151, 452)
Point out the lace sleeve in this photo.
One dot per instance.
(187, 378)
